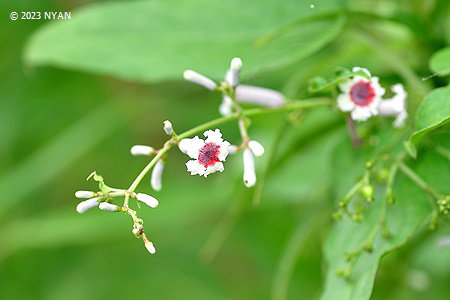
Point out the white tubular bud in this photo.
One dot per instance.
(141, 150)
(156, 180)
(232, 149)
(249, 168)
(234, 73)
(256, 148)
(395, 105)
(147, 199)
(149, 246)
(84, 194)
(199, 79)
(88, 204)
(387, 108)
(259, 96)
(226, 107)
(108, 206)
(168, 127)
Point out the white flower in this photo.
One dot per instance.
(199, 79)
(88, 204)
(141, 150)
(360, 96)
(249, 168)
(208, 155)
(156, 180)
(167, 125)
(395, 106)
(256, 148)
(108, 206)
(147, 199)
(84, 194)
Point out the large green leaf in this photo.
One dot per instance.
(158, 40)
(403, 218)
(434, 112)
(440, 62)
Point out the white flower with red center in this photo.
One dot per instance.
(360, 96)
(208, 155)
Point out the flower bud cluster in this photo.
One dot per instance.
(231, 88)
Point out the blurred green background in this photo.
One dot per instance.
(59, 125)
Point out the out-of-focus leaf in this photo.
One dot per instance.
(158, 40)
(433, 113)
(403, 218)
(53, 158)
(440, 62)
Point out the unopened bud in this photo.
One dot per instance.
(249, 168)
(256, 148)
(367, 191)
(199, 79)
(259, 96)
(108, 206)
(168, 127)
(88, 204)
(232, 149)
(156, 179)
(141, 150)
(147, 199)
(149, 245)
(138, 230)
(84, 194)
(233, 74)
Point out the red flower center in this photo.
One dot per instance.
(209, 154)
(362, 93)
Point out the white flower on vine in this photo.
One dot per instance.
(395, 106)
(360, 96)
(207, 155)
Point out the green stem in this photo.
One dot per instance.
(150, 165)
(418, 180)
(442, 151)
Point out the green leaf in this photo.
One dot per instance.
(433, 113)
(440, 62)
(158, 40)
(403, 218)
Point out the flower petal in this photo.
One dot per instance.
(223, 150)
(214, 168)
(360, 113)
(195, 167)
(344, 102)
(192, 146)
(213, 136)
